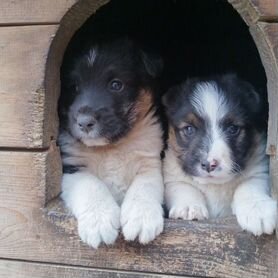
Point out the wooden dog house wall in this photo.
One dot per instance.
(40, 242)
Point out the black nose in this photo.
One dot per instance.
(209, 166)
(85, 122)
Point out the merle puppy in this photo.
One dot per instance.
(111, 141)
(216, 163)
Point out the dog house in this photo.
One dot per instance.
(38, 238)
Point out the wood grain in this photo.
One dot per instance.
(22, 93)
(30, 76)
(213, 249)
(24, 12)
(253, 11)
(266, 10)
(25, 178)
(17, 269)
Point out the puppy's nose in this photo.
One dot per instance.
(209, 166)
(85, 122)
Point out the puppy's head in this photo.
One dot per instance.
(105, 85)
(213, 126)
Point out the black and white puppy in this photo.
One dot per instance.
(216, 164)
(111, 141)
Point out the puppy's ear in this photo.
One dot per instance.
(253, 97)
(153, 63)
(246, 89)
(169, 97)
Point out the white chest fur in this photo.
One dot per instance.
(116, 165)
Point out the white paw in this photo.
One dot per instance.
(141, 219)
(189, 212)
(257, 217)
(101, 225)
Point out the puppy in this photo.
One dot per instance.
(216, 164)
(110, 142)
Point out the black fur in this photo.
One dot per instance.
(88, 84)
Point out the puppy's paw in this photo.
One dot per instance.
(101, 225)
(141, 219)
(189, 212)
(257, 217)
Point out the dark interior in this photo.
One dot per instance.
(194, 37)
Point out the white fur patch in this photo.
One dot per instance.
(211, 105)
(93, 205)
(92, 56)
(208, 100)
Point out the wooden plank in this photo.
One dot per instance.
(25, 179)
(30, 77)
(266, 10)
(213, 249)
(17, 269)
(23, 12)
(22, 94)
(274, 179)
(253, 11)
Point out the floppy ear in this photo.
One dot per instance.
(169, 99)
(153, 63)
(252, 98)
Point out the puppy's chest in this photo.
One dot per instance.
(219, 198)
(116, 168)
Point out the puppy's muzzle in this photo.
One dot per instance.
(85, 119)
(209, 165)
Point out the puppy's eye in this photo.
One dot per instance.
(116, 85)
(233, 130)
(189, 130)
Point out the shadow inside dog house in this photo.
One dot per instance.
(189, 34)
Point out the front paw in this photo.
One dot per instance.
(141, 219)
(101, 225)
(192, 211)
(257, 216)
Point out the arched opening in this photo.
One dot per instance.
(195, 38)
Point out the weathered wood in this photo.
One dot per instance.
(29, 87)
(22, 94)
(23, 12)
(253, 11)
(214, 249)
(266, 10)
(274, 179)
(16, 269)
(25, 179)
